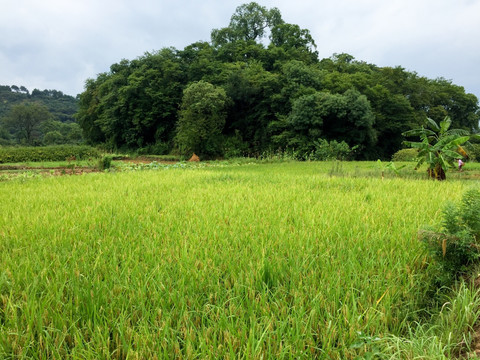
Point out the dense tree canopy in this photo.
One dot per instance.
(136, 103)
(280, 94)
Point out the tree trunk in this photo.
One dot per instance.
(437, 173)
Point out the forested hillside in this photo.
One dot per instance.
(36, 118)
(60, 105)
(271, 93)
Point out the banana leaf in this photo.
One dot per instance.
(450, 141)
(445, 124)
(433, 124)
(419, 132)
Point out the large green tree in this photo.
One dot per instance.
(250, 22)
(201, 120)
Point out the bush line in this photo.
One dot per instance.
(47, 153)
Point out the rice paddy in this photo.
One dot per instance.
(273, 261)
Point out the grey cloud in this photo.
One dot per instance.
(58, 43)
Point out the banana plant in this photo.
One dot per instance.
(438, 147)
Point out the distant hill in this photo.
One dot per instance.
(60, 105)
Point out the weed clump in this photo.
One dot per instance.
(105, 163)
(455, 246)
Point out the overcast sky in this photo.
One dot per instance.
(58, 44)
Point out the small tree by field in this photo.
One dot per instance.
(439, 146)
(24, 121)
(201, 120)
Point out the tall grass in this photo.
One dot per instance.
(254, 261)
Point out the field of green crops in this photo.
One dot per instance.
(273, 261)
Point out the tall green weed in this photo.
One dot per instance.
(455, 245)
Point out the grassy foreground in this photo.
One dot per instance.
(252, 261)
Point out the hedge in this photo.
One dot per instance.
(47, 153)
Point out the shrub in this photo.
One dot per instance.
(332, 150)
(105, 163)
(47, 153)
(405, 155)
(53, 138)
(455, 246)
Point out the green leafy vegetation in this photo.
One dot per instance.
(333, 150)
(38, 118)
(473, 150)
(24, 121)
(46, 153)
(455, 246)
(440, 146)
(105, 162)
(281, 96)
(405, 155)
(62, 106)
(202, 117)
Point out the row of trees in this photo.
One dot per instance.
(38, 118)
(258, 85)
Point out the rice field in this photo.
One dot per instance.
(254, 261)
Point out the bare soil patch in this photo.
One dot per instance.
(78, 170)
(55, 171)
